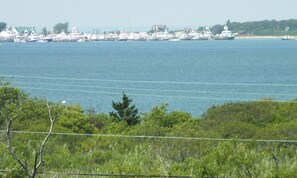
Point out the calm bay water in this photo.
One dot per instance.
(190, 76)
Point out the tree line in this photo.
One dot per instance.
(105, 143)
(260, 28)
(58, 28)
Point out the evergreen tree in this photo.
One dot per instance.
(61, 27)
(44, 31)
(125, 111)
(2, 26)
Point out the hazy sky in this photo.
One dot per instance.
(114, 14)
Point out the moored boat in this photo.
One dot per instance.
(225, 35)
(288, 38)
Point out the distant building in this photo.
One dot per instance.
(159, 28)
(187, 30)
(25, 30)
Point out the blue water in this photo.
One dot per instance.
(190, 76)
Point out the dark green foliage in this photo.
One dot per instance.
(161, 117)
(265, 27)
(10, 95)
(257, 113)
(72, 119)
(99, 121)
(217, 29)
(2, 26)
(44, 31)
(61, 27)
(125, 111)
(11, 100)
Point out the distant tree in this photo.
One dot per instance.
(2, 26)
(125, 111)
(265, 27)
(200, 29)
(44, 31)
(61, 27)
(217, 29)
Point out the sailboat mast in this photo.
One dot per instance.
(129, 24)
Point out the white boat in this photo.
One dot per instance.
(195, 35)
(225, 35)
(34, 37)
(42, 41)
(174, 40)
(81, 40)
(8, 35)
(153, 37)
(206, 35)
(288, 38)
(185, 36)
(19, 40)
(123, 37)
(48, 39)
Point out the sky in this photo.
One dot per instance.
(115, 14)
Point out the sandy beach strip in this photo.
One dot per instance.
(262, 37)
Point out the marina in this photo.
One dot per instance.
(158, 34)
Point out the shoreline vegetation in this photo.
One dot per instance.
(128, 144)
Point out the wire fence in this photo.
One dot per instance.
(162, 96)
(154, 82)
(193, 97)
(155, 90)
(156, 137)
(100, 175)
(45, 173)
